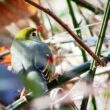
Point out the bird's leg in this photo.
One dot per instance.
(23, 94)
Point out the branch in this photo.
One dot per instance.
(61, 80)
(65, 26)
(73, 73)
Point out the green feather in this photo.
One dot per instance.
(25, 33)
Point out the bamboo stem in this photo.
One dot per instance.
(76, 25)
(98, 47)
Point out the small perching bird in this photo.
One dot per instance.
(32, 57)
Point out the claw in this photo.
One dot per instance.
(23, 94)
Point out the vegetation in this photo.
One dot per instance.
(81, 80)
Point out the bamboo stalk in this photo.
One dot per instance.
(98, 47)
(76, 25)
(100, 40)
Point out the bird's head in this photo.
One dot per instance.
(28, 33)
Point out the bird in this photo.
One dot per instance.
(32, 58)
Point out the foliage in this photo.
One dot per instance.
(74, 89)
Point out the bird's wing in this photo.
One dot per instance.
(41, 61)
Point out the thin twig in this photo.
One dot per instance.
(52, 30)
(86, 20)
(89, 6)
(65, 26)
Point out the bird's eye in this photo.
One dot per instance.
(34, 34)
